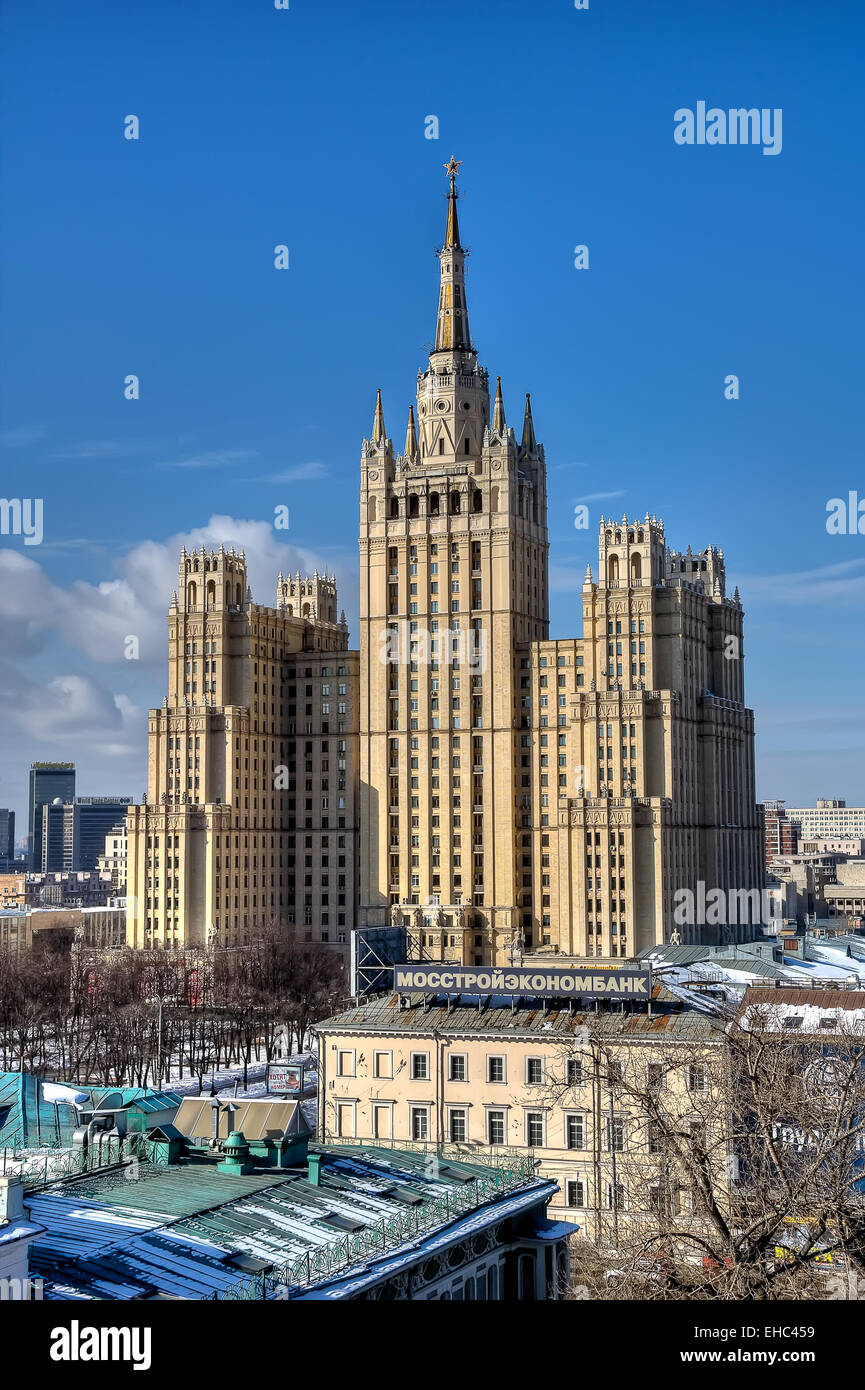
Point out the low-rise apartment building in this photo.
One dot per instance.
(577, 1091)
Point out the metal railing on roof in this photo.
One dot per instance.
(325, 1261)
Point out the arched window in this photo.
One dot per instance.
(291, 610)
(306, 610)
(433, 504)
(394, 506)
(494, 499)
(455, 502)
(372, 509)
(192, 595)
(613, 569)
(477, 502)
(636, 569)
(211, 594)
(413, 504)
(239, 596)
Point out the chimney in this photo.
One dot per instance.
(11, 1199)
(314, 1170)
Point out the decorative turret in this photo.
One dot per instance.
(212, 579)
(631, 553)
(703, 569)
(314, 599)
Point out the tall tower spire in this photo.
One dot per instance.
(378, 430)
(452, 328)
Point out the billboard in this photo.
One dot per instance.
(538, 982)
(285, 1079)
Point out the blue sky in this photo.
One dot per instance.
(306, 128)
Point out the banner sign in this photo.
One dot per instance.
(284, 1079)
(540, 982)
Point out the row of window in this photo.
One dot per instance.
(534, 1069)
(531, 1132)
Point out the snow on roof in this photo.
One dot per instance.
(175, 1230)
(806, 1011)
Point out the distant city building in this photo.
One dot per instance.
(48, 782)
(13, 890)
(7, 834)
(850, 847)
(846, 897)
(113, 858)
(778, 832)
(68, 889)
(250, 817)
(832, 824)
(73, 834)
(100, 928)
(828, 818)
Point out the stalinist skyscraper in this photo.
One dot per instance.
(514, 794)
(521, 794)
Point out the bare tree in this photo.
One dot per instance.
(734, 1172)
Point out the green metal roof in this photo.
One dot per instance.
(179, 1229)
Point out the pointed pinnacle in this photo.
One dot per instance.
(529, 442)
(499, 408)
(378, 434)
(411, 436)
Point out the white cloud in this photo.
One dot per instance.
(841, 583)
(296, 473)
(96, 619)
(70, 705)
(215, 458)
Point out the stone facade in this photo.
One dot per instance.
(520, 793)
(249, 818)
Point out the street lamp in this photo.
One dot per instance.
(160, 1000)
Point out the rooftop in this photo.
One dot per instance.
(190, 1231)
(423, 1014)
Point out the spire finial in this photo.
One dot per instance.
(452, 236)
(529, 443)
(378, 434)
(499, 408)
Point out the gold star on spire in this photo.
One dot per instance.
(453, 168)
